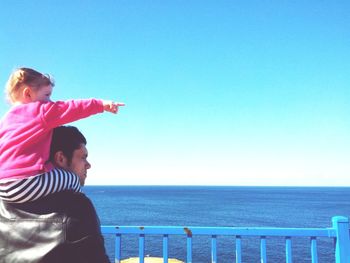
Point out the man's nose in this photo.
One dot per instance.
(88, 165)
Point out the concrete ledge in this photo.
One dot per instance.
(151, 260)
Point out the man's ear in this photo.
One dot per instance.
(60, 159)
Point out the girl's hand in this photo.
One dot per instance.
(111, 106)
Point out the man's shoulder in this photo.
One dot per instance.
(65, 202)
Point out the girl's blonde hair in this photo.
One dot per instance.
(22, 77)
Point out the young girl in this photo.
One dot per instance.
(25, 136)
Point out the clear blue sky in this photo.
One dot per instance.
(217, 92)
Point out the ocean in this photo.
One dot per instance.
(221, 206)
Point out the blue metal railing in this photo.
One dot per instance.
(339, 232)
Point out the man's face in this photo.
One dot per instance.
(80, 164)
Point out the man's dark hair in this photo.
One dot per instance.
(66, 139)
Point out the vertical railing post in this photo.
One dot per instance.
(238, 249)
(263, 258)
(165, 249)
(118, 248)
(188, 244)
(289, 255)
(314, 256)
(213, 249)
(342, 246)
(189, 249)
(142, 248)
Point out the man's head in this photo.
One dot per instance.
(68, 151)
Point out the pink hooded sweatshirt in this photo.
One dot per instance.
(26, 131)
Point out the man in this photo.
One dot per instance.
(64, 226)
(68, 151)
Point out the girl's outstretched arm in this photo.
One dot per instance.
(63, 112)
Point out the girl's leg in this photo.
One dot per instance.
(31, 189)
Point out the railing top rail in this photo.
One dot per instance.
(230, 231)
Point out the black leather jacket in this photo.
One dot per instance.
(62, 228)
